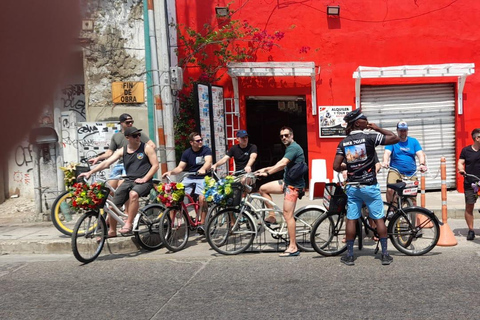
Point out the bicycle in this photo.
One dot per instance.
(64, 216)
(177, 222)
(411, 188)
(412, 230)
(233, 229)
(90, 231)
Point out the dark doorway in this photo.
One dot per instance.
(265, 118)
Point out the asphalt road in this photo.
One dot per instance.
(199, 284)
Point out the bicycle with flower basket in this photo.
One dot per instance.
(233, 229)
(177, 222)
(91, 231)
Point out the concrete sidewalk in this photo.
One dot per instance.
(43, 238)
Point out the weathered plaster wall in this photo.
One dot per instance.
(114, 51)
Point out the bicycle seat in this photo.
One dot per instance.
(399, 186)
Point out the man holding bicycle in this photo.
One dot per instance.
(119, 141)
(356, 154)
(469, 162)
(244, 153)
(401, 157)
(293, 188)
(141, 164)
(197, 160)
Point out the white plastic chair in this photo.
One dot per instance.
(319, 178)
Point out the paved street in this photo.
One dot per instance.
(197, 283)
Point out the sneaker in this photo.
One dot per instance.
(201, 229)
(386, 259)
(348, 260)
(471, 235)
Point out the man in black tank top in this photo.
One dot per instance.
(141, 163)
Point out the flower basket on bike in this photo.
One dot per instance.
(171, 193)
(71, 172)
(334, 198)
(88, 196)
(225, 192)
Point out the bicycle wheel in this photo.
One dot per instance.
(230, 232)
(174, 230)
(304, 220)
(414, 232)
(147, 232)
(88, 237)
(63, 215)
(328, 234)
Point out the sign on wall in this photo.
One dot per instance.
(331, 122)
(128, 92)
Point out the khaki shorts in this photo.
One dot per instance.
(393, 176)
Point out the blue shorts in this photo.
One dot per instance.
(117, 171)
(199, 185)
(372, 197)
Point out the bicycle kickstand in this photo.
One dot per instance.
(377, 247)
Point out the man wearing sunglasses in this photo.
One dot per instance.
(141, 164)
(119, 141)
(293, 189)
(198, 160)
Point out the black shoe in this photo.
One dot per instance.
(201, 229)
(471, 235)
(348, 260)
(386, 259)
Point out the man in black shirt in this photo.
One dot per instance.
(469, 162)
(244, 154)
(141, 164)
(356, 153)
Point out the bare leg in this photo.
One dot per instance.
(288, 209)
(272, 187)
(469, 215)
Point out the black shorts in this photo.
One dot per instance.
(470, 196)
(121, 194)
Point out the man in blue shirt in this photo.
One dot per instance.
(196, 159)
(401, 156)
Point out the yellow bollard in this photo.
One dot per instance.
(446, 235)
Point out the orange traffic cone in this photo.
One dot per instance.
(446, 235)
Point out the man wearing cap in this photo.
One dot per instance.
(197, 160)
(118, 141)
(141, 164)
(401, 156)
(243, 153)
(469, 162)
(356, 154)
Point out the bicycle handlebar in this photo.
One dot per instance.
(469, 175)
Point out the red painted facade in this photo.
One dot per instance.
(367, 33)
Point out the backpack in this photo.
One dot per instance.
(297, 171)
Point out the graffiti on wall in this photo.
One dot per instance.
(73, 99)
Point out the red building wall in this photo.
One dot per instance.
(367, 33)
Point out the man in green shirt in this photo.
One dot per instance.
(291, 188)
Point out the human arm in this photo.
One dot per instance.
(280, 165)
(105, 164)
(390, 136)
(206, 165)
(181, 166)
(220, 162)
(386, 158)
(251, 161)
(338, 164)
(152, 158)
(151, 144)
(105, 155)
(461, 166)
(421, 159)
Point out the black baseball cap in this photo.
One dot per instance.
(242, 133)
(124, 117)
(354, 116)
(131, 130)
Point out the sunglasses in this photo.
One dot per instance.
(129, 122)
(136, 135)
(198, 141)
(284, 135)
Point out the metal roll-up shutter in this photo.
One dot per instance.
(429, 110)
